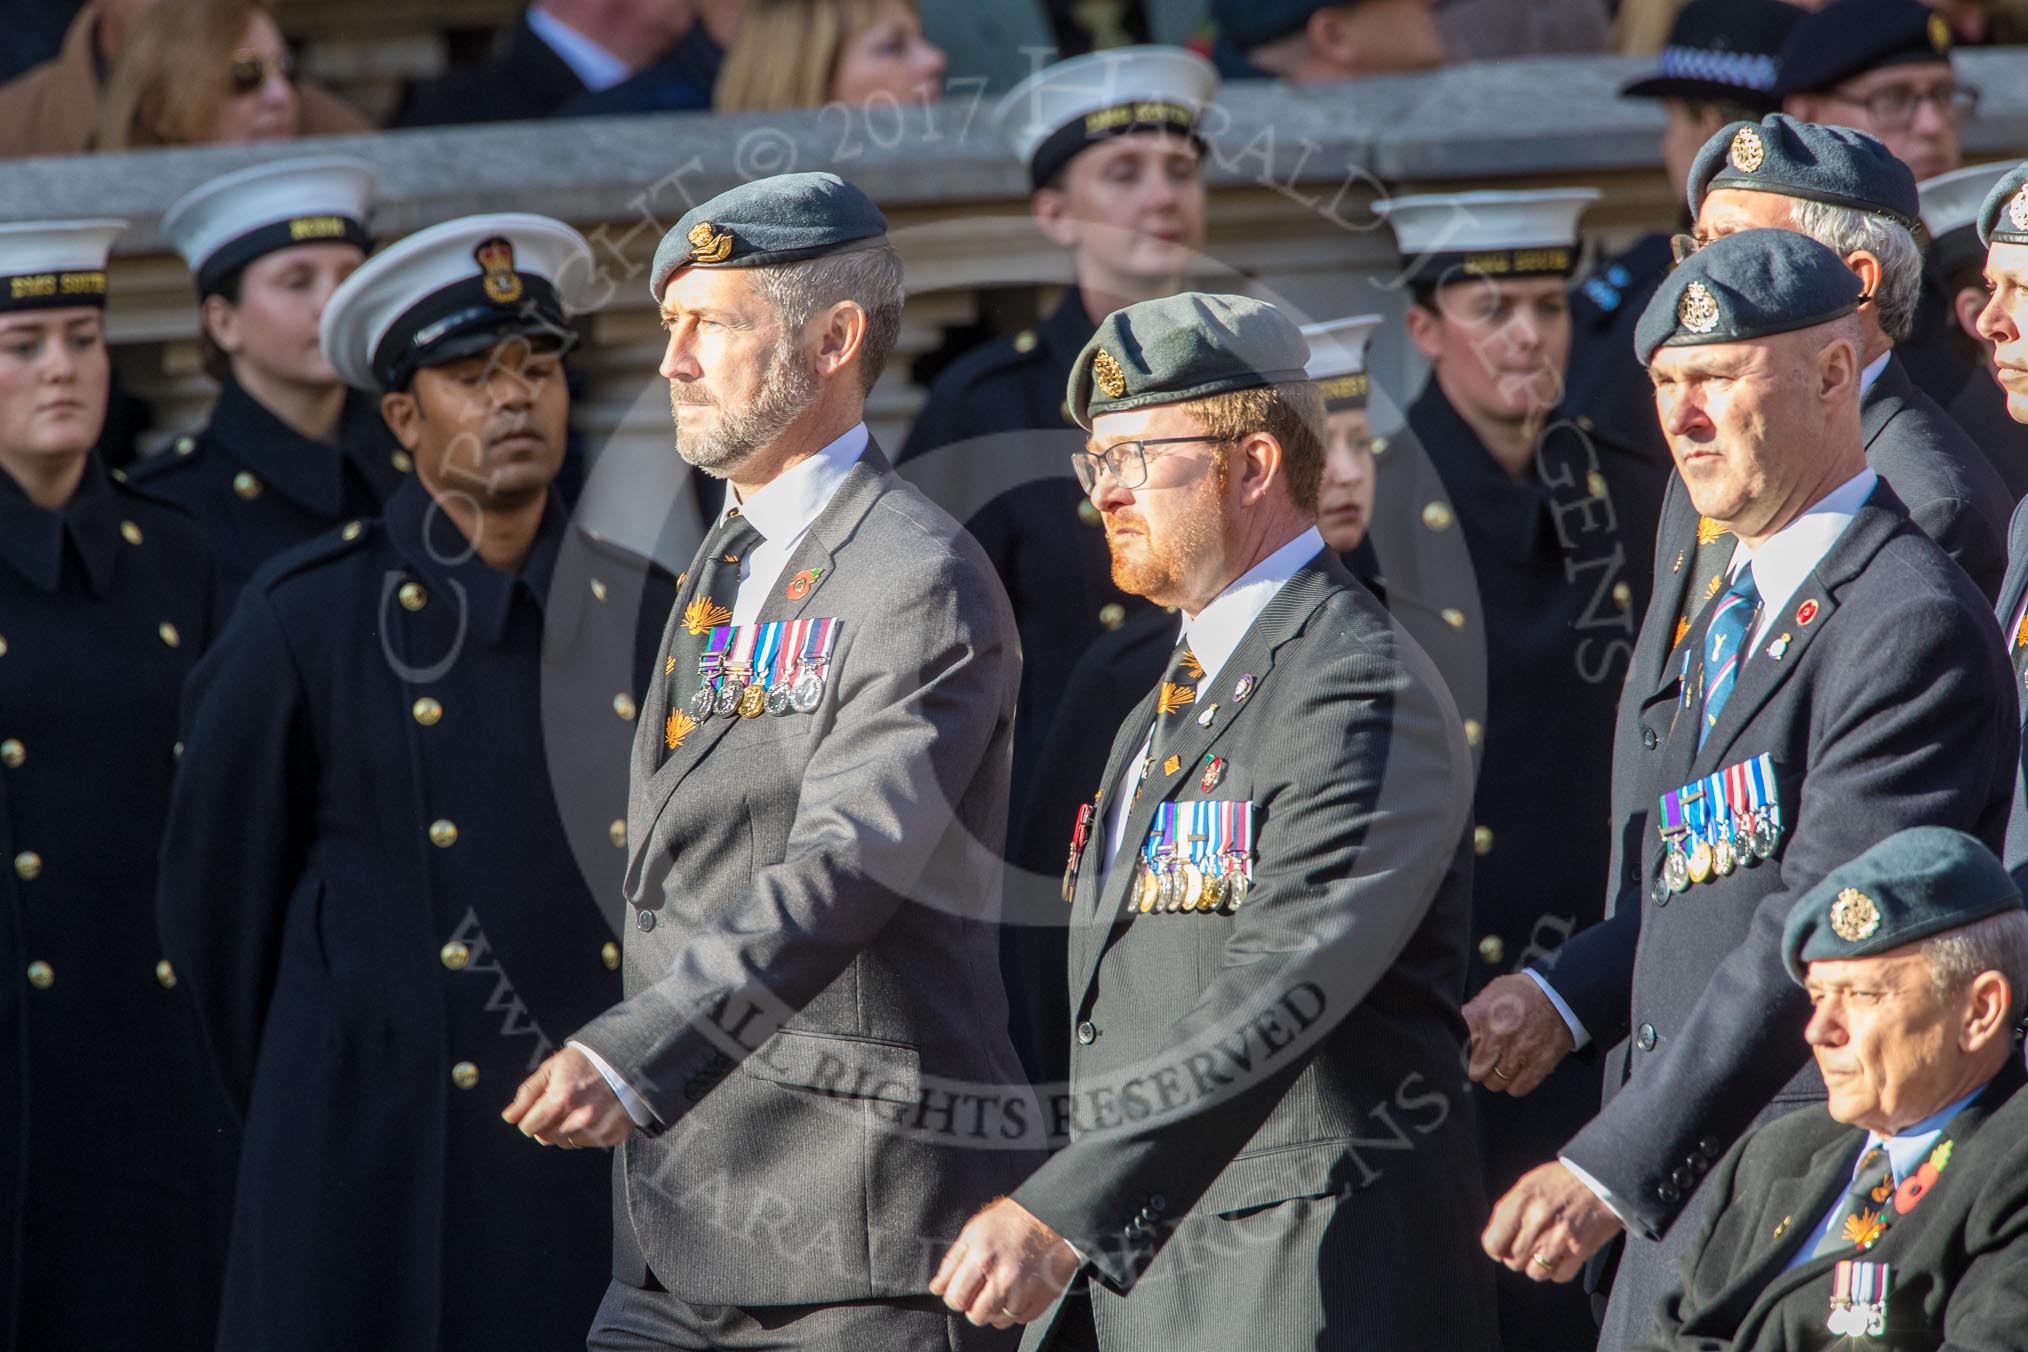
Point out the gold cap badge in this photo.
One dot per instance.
(1747, 152)
(503, 283)
(1939, 33)
(1108, 374)
(2017, 209)
(1697, 309)
(709, 244)
(1854, 916)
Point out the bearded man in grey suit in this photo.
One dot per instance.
(1270, 1142)
(809, 1081)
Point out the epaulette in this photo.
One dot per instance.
(1608, 287)
(181, 453)
(312, 554)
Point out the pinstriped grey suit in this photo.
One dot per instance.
(836, 871)
(1271, 1141)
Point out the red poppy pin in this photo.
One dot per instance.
(1807, 611)
(800, 584)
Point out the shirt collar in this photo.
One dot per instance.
(591, 63)
(437, 549)
(789, 504)
(1217, 630)
(1907, 1148)
(1785, 558)
(1873, 370)
(32, 538)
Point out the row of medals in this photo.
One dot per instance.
(1681, 867)
(735, 695)
(1179, 885)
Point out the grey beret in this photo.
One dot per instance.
(2003, 219)
(1754, 284)
(1837, 165)
(1180, 348)
(1914, 884)
(783, 219)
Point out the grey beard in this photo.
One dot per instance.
(787, 390)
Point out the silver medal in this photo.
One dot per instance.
(730, 688)
(808, 691)
(779, 698)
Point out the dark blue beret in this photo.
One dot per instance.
(2003, 219)
(1779, 154)
(1850, 37)
(1178, 348)
(1754, 284)
(1914, 884)
(783, 219)
(1721, 49)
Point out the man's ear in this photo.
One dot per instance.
(1255, 466)
(1051, 209)
(1986, 1016)
(1838, 369)
(1425, 330)
(1866, 266)
(403, 413)
(840, 337)
(1333, 38)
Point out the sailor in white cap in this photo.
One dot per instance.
(1338, 366)
(106, 603)
(289, 452)
(1558, 519)
(413, 744)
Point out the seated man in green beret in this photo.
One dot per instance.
(1891, 1216)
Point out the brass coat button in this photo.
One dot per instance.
(3, 647)
(1623, 594)
(1492, 950)
(1475, 731)
(427, 711)
(130, 532)
(402, 461)
(464, 1075)
(167, 632)
(41, 975)
(1025, 341)
(412, 596)
(443, 833)
(455, 955)
(166, 975)
(12, 753)
(610, 956)
(1482, 840)
(1595, 484)
(176, 751)
(617, 832)
(246, 485)
(1437, 515)
(1088, 512)
(28, 866)
(623, 705)
(598, 590)
(352, 531)
(185, 445)
(1380, 445)
(1112, 615)
(1454, 617)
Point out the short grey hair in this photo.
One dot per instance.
(1999, 943)
(1845, 231)
(871, 277)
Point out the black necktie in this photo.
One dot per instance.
(1173, 699)
(1859, 1219)
(1715, 546)
(704, 603)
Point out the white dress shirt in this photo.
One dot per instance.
(1780, 566)
(783, 512)
(1214, 633)
(591, 63)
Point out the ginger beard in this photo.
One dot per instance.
(1155, 565)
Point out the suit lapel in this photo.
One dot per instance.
(1801, 1202)
(2015, 588)
(1091, 874)
(1675, 547)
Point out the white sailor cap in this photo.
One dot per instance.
(1451, 237)
(454, 289)
(1072, 105)
(1952, 201)
(1337, 362)
(225, 224)
(55, 265)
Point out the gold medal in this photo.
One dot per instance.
(1150, 884)
(1700, 860)
(753, 701)
(1214, 893)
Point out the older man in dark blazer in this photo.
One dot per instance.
(1268, 909)
(1845, 683)
(1898, 1210)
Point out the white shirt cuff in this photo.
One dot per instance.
(1600, 1190)
(1578, 1037)
(637, 1107)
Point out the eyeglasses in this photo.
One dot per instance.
(1126, 461)
(1893, 108)
(1682, 246)
(250, 70)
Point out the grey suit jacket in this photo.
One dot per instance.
(1300, 1051)
(814, 1009)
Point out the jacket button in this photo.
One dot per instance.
(1482, 840)
(646, 921)
(167, 633)
(1086, 1033)
(1436, 515)
(464, 1075)
(28, 866)
(443, 833)
(623, 705)
(1669, 1194)
(1623, 594)
(352, 531)
(1112, 615)
(1710, 1148)
(165, 974)
(1474, 731)
(402, 461)
(1454, 617)
(598, 590)
(246, 485)
(617, 832)
(610, 956)
(1648, 739)
(1645, 1038)
(41, 975)
(12, 753)
(131, 533)
(1683, 1179)
(412, 596)
(454, 955)
(1492, 950)
(1158, 1204)
(426, 711)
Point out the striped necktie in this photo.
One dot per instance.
(1176, 694)
(1732, 619)
(1858, 1219)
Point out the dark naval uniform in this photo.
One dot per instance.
(115, 1168)
(1604, 382)
(1007, 478)
(399, 837)
(258, 486)
(1535, 626)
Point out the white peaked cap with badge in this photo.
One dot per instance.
(1338, 346)
(55, 265)
(1493, 233)
(1952, 201)
(222, 225)
(453, 290)
(1072, 105)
